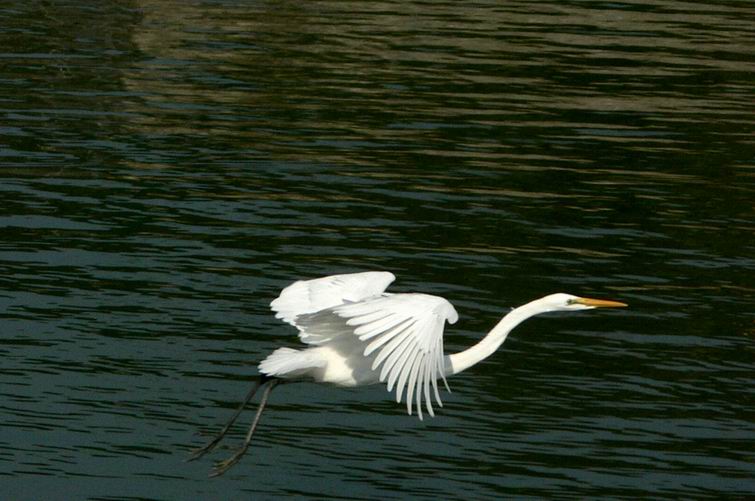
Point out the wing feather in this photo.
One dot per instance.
(393, 355)
(428, 378)
(404, 370)
(406, 332)
(393, 369)
(386, 336)
(368, 331)
(411, 384)
(306, 297)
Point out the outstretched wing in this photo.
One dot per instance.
(310, 296)
(403, 335)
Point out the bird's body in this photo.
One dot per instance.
(357, 334)
(338, 362)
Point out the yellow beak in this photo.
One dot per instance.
(599, 303)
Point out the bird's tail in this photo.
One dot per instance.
(287, 363)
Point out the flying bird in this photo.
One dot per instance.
(357, 334)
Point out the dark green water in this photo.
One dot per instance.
(167, 167)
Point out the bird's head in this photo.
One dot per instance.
(567, 302)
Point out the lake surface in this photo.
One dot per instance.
(167, 167)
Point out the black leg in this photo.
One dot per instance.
(223, 466)
(198, 453)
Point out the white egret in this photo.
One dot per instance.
(358, 334)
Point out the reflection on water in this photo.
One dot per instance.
(167, 167)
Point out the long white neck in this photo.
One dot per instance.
(463, 360)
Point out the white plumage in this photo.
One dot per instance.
(359, 335)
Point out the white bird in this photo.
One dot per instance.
(358, 334)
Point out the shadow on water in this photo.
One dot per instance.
(167, 167)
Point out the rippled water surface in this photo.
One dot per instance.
(167, 167)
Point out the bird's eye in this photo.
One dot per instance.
(571, 301)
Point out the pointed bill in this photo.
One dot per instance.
(599, 303)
